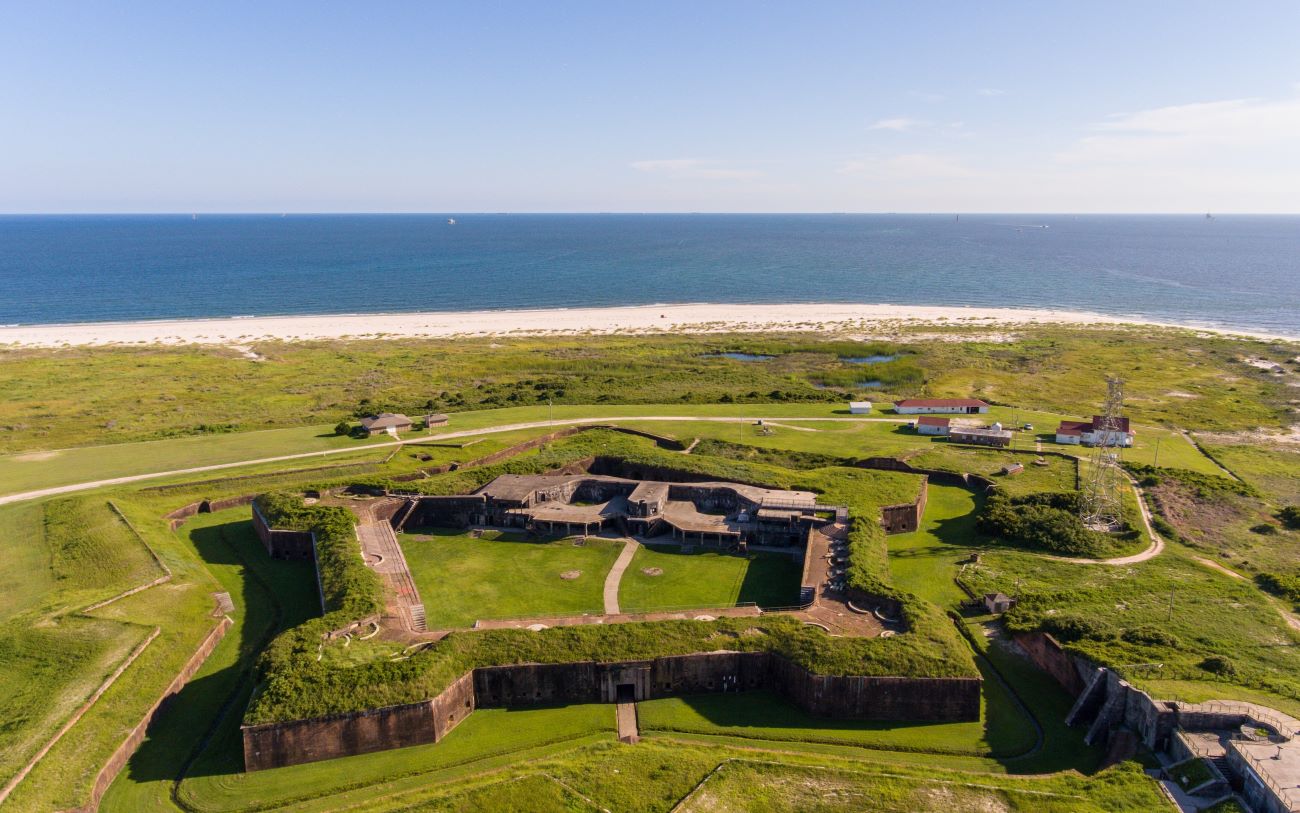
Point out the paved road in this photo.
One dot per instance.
(615, 576)
(23, 496)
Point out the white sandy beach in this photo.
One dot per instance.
(867, 320)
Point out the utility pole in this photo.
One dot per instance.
(1156, 461)
(1171, 606)
(550, 413)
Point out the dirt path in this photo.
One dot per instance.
(24, 496)
(616, 575)
(1154, 550)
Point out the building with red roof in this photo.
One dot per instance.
(932, 425)
(1100, 431)
(949, 406)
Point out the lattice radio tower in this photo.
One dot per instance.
(1103, 493)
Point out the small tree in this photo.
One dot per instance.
(343, 428)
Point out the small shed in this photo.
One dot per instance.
(859, 407)
(1012, 469)
(430, 421)
(390, 422)
(998, 603)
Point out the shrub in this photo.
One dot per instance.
(1290, 516)
(342, 428)
(1280, 584)
(1069, 628)
(1149, 635)
(1045, 521)
(1219, 665)
(1264, 529)
(1163, 527)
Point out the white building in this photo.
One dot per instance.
(932, 426)
(859, 407)
(1096, 432)
(946, 406)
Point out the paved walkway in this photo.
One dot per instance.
(23, 496)
(830, 606)
(627, 729)
(383, 553)
(615, 576)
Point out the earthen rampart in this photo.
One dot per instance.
(872, 698)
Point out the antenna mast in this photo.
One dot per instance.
(1103, 508)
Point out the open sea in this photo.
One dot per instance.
(1240, 272)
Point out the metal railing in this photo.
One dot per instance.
(1288, 796)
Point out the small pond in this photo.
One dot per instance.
(868, 359)
(862, 385)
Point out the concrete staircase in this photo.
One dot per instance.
(418, 622)
(403, 514)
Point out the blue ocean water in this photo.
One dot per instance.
(1240, 272)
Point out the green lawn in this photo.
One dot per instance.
(485, 734)
(269, 595)
(25, 578)
(766, 716)
(925, 561)
(707, 578)
(462, 579)
(747, 785)
(45, 469)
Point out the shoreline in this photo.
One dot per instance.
(628, 320)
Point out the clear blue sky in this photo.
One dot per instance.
(652, 106)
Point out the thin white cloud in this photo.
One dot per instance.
(694, 169)
(1211, 129)
(990, 92)
(898, 124)
(909, 166)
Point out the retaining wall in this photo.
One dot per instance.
(875, 698)
(282, 544)
(275, 745)
(945, 478)
(1047, 654)
(123, 753)
(906, 517)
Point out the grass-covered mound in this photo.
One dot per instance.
(349, 589)
(296, 685)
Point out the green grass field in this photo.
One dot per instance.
(173, 408)
(462, 579)
(706, 578)
(925, 561)
(765, 716)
